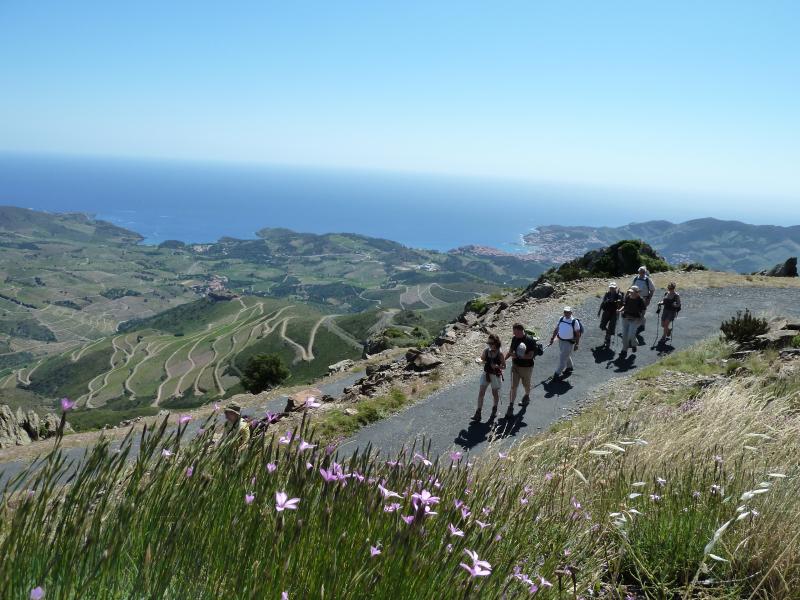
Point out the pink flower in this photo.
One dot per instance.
(271, 467)
(548, 476)
(391, 507)
(359, 476)
(282, 502)
(166, 453)
(465, 512)
(387, 493)
(409, 519)
(455, 530)
(523, 501)
(661, 481)
(422, 459)
(66, 404)
(374, 550)
(392, 463)
(190, 471)
(502, 455)
(486, 510)
(544, 582)
(248, 498)
(449, 548)
(311, 402)
(37, 593)
(423, 498)
(184, 419)
(285, 439)
(481, 524)
(328, 476)
(216, 407)
(304, 445)
(479, 568)
(284, 595)
(458, 503)
(309, 466)
(271, 417)
(455, 456)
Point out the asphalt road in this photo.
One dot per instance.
(443, 419)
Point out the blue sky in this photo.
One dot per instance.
(696, 96)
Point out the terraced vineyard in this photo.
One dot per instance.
(185, 356)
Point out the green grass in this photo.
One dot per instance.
(703, 358)
(337, 423)
(358, 324)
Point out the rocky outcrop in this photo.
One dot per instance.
(780, 334)
(20, 428)
(786, 269)
(340, 366)
(540, 289)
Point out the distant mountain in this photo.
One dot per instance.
(721, 245)
(24, 223)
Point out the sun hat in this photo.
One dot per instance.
(643, 268)
(234, 408)
(567, 309)
(613, 284)
(634, 288)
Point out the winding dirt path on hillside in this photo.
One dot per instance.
(331, 325)
(77, 354)
(299, 351)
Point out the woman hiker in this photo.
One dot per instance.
(493, 366)
(671, 306)
(632, 310)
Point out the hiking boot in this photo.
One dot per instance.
(568, 371)
(635, 348)
(493, 414)
(556, 376)
(509, 413)
(477, 416)
(525, 400)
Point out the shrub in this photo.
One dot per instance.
(744, 327)
(262, 372)
(795, 343)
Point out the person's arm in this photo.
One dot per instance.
(676, 302)
(577, 333)
(553, 337)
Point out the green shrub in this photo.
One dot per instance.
(262, 372)
(744, 327)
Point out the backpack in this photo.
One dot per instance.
(574, 320)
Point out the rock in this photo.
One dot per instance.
(469, 318)
(447, 336)
(787, 269)
(340, 366)
(460, 326)
(350, 411)
(11, 434)
(23, 427)
(775, 339)
(411, 354)
(162, 413)
(543, 289)
(377, 342)
(425, 362)
(327, 398)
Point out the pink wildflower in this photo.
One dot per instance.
(455, 530)
(248, 498)
(465, 512)
(424, 498)
(387, 493)
(66, 404)
(328, 476)
(304, 445)
(455, 455)
(479, 568)
(374, 550)
(166, 453)
(422, 459)
(311, 402)
(481, 524)
(37, 593)
(271, 417)
(184, 419)
(282, 502)
(409, 519)
(271, 467)
(389, 508)
(502, 455)
(285, 439)
(190, 471)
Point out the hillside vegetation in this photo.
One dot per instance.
(682, 483)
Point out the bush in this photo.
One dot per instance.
(795, 343)
(695, 266)
(744, 327)
(262, 372)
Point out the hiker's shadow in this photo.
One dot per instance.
(507, 427)
(555, 387)
(476, 433)
(664, 348)
(602, 354)
(621, 365)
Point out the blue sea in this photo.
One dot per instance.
(201, 202)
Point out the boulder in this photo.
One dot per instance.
(22, 427)
(425, 362)
(540, 289)
(11, 434)
(786, 269)
(447, 336)
(468, 318)
(775, 338)
(340, 366)
(376, 343)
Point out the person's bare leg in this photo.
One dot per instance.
(481, 396)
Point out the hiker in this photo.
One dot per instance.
(493, 366)
(523, 350)
(646, 290)
(670, 306)
(568, 331)
(609, 305)
(237, 430)
(632, 310)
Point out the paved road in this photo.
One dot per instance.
(334, 388)
(444, 417)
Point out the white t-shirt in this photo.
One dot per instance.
(567, 328)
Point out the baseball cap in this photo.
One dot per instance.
(567, 309)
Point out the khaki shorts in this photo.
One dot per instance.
(521, 374)
(492, 380)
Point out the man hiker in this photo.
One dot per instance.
(646, 290)
(632, 310)
(670, 306)
(493, 366)
(237, 430)
(609, 305)
(568, 331)
(523, 349)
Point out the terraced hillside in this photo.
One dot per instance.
(183, 357)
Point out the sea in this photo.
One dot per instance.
(202, 202)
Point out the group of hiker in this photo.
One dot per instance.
(629, 309)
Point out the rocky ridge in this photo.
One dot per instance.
(20, 428)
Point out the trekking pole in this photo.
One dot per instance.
(658, 324)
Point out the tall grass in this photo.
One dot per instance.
(632, 503)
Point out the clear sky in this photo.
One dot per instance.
(699, 95)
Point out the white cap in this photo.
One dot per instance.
(567, 309)
(634, 288)
(612, 284)
(643, 268)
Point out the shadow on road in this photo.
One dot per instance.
(479, 432)
(622, 365)
(602, 354)
(555, 387)
(663, 348)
